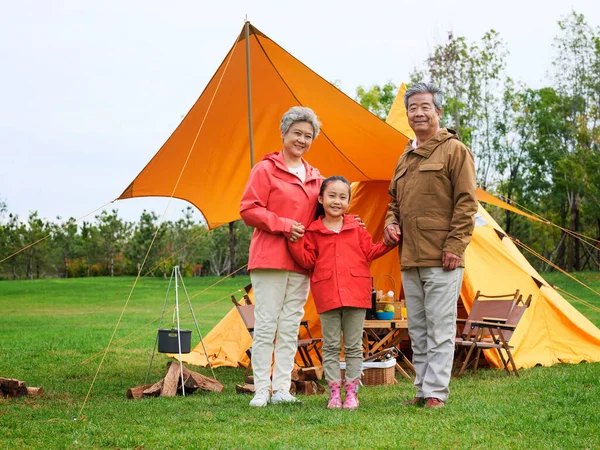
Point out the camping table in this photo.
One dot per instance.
(381, 334)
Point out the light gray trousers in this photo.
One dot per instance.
(431, 296)
(347, 322)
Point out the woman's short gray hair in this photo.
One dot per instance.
(425, 88)
(300, 114)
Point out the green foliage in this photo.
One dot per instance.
(110, 246)
(537, 148)
(377, 99)
(50, 327)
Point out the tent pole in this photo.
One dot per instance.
(249, 88)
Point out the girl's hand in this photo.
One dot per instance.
(297, 231)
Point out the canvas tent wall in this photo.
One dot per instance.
(207, 161)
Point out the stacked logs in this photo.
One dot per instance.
(304, 382)
(11, 387)
(170, 385)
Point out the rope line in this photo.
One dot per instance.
(120, 317)
(577, 299)
(194, 296)
(122, 344)
(202, 233)
(156, 232)
(55, 231)
(547, 261)
(573, 233)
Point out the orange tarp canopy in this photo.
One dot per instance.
(212, 143)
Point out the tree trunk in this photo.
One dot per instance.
(111, 263)
(231, 248)
(574, 202)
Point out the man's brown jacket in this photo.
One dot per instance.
(433, 200)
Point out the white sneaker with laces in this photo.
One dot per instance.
(260, 399)
(283, 397)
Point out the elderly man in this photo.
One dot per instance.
(432, 215)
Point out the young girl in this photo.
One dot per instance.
(337, 250)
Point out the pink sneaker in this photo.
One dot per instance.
(351, 401)
(335, 399)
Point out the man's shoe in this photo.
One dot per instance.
(261, 398)
(433, 402)
(283, 397)
(417, 401)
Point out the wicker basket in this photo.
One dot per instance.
(375, 373)
(398, 305)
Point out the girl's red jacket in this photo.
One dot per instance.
(339, 263)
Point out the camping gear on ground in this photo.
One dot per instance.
(174, 340)
(375, 373)
(489, 330)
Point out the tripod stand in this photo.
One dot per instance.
(176, 332)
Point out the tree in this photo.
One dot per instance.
(91, 246)
(64, 240)
(377, 99)
(470, 76)
(113, 232)
(36, 256)
(143, 242)
(576, 71)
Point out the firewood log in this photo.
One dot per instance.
(245, 389)
(154, 390)
(204, 383)
(138, 391)
(169, 388)
(312, 373)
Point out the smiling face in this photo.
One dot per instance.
(297, 140)
(335, 199)
(423, 117)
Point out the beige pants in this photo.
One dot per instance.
(279, 296)
(431, 296)
(347, 323)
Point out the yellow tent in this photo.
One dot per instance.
(207, 161)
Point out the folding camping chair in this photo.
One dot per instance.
(495, 308)
(495, 333)
(305, 346)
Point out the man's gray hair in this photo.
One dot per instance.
(300, 114)
(425, 88)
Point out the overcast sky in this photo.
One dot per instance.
(89, 91)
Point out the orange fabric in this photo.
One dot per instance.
(361, 147)
(214, 134)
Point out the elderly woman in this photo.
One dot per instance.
(279, 200)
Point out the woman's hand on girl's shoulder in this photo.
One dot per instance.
(359, 220)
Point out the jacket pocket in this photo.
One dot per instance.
(432, 233)
(362, 272)
(431, 178)
(321, 275)
(398, 182)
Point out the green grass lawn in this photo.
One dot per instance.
(49, 327)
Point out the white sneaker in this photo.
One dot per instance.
(283, 397)
(260, 399)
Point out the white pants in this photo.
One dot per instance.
(431, 296)
(279, 296)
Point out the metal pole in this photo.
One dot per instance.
(249, 89)
(159, 326)
(176, 270)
